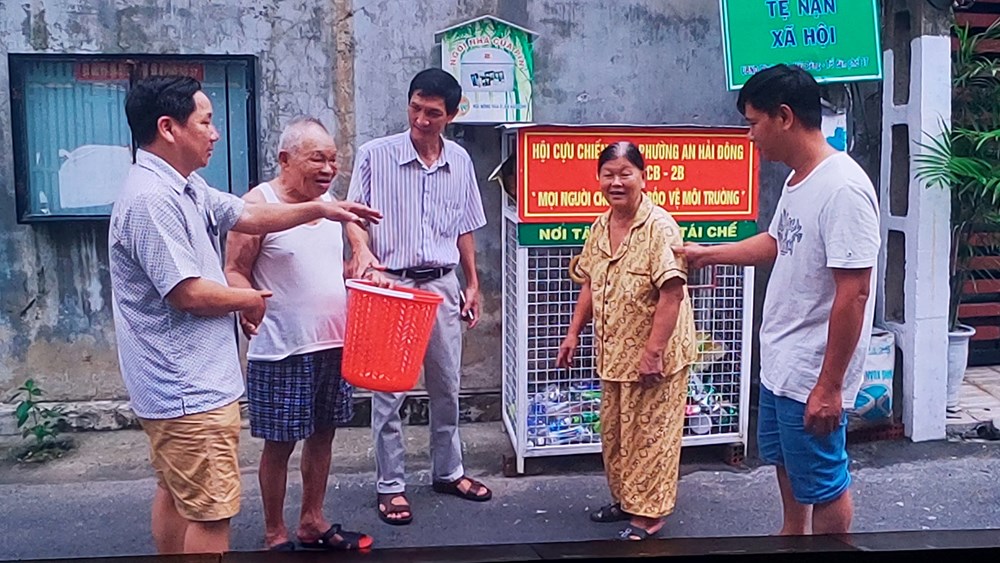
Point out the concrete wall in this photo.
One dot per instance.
(55, 300)
(391, 45)
(652, 61)
(639, 61)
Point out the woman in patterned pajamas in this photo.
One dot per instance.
(636, 294)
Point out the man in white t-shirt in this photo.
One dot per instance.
(824, 243)
(293, 371)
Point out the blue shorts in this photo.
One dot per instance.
(817, 467)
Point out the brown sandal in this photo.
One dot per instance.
(386, 507)
(452, 489)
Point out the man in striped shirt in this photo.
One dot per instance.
(426, 188)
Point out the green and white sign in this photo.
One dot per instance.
(492, 60)
(575, 234)
(834, 40)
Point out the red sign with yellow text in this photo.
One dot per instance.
(697, 174)
(107, 71)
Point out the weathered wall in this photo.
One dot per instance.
(655, 62)
(391, 44)
(55, 302)
(639, 61)
(642, 61)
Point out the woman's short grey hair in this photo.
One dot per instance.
(291, 137)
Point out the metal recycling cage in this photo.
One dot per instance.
(549, 411)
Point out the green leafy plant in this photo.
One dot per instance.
(965, 158)
(34, 420)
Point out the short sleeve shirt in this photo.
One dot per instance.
(625, 287)
(165, 229)
(829, 220)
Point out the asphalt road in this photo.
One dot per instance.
(85, 512)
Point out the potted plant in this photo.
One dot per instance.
(966, 160)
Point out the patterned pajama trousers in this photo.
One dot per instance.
(641, 431)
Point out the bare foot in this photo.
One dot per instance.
(310, 531)
(275, 538)
(466, 484)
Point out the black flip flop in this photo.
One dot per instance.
(348, 541)
(987, 431)
(635, 533)
(284, 546)
(610, 513)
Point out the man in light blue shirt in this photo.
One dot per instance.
(174, 312)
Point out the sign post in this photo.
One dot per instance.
(834, 40)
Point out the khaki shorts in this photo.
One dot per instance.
(196, 459)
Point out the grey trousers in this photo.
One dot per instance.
(442, 372)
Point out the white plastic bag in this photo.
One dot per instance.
(874, 402)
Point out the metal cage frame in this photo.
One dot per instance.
(522, 350)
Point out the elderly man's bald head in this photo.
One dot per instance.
(307, 156)
(299, 130)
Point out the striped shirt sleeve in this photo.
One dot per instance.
(360, 190)
(473, 216)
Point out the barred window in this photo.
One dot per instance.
(72, 145)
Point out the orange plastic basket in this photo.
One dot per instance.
(387, 334)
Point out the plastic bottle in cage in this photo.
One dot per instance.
(560, 408)
(559, 395)
(560, 424)
(574, 434)
(723, 414)
(551, 394)
(537, 408)
(537, 436)
(557, 438)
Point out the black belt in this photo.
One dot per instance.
(421, 274)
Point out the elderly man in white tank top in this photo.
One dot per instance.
(293, 372)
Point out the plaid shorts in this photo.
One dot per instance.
(292, 397)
